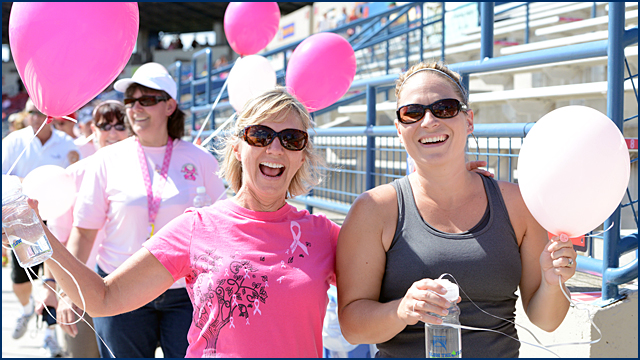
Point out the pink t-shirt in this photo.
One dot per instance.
(258, 280)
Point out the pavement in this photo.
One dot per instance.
(30, 345)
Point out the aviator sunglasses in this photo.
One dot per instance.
(261, 136)
(145, 100)
(107, 127)
(442, 109)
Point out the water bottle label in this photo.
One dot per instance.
(34, 250)
(17, 242)
(453, 354)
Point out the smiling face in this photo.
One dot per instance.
(268, 171)
(150, 122)
(432, 140)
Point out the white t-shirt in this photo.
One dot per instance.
(113, 195)
(61, 226)
(53, 152)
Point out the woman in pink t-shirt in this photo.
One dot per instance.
(132, 189)
(257, 269)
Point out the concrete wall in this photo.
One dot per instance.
(618, 323)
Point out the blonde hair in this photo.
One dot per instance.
(273, 105)
(441, 70)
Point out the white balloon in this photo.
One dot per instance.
(573, 170)
(250, 76)
(53, 188)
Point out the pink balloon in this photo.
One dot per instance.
(321, 70)
(67, 53)
(573, 170)
(250, 26)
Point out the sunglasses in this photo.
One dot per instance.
(107, 127)
(145, 100)
(261, 136)
(442, 109)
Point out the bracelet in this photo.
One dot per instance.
(48, 279)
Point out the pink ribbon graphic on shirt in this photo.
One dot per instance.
(296, 239)
(246, 274)
(256, 303)
(282, 265)
(231, 321)
(235, 301)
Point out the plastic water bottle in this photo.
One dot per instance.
(443, 341)
(201, 199)
(22, 226)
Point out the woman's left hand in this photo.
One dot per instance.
(558, 259)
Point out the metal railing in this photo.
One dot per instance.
(360, 158)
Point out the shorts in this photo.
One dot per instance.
(18, 273)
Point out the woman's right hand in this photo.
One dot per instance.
(421, 301)
(66, 315)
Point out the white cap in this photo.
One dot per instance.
(452, 289)
(201, 190)
(151, 75)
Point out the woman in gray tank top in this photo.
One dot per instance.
(443, 218)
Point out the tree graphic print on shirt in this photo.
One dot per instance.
(237, 295)
(227, 289)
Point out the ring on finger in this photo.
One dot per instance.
(570, 262)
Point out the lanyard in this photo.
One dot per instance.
(154, 197)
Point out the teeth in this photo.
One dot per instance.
(272, 165)
(433, 139)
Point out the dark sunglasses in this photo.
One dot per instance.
(442, 109)
(145, 100)
(261, 136)
(107, 127)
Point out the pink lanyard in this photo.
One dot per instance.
(154, 198)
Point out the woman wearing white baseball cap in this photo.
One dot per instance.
(133, 189)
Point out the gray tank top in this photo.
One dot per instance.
(484, 260)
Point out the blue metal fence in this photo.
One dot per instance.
(360, 158)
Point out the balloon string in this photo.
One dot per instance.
(540, 345)
(227, 122)
(70, 119)
(80, 317)
(602, 232)
(215, 103)
(26, 147)
(88, 139)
